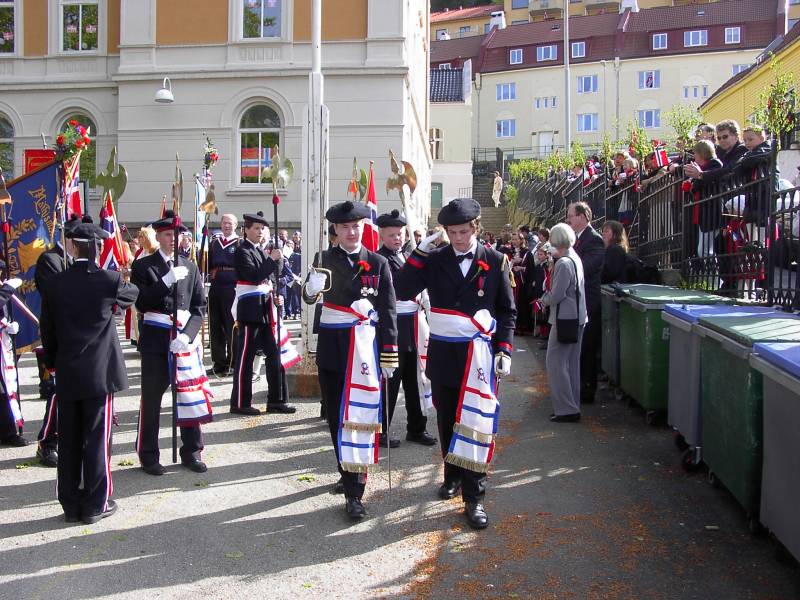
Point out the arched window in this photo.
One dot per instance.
(6, 148)
(88, 167)
(259, 132)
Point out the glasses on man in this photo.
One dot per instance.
(723, 137)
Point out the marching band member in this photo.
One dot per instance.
(359, 308)
(222, 293)
(412, 335)
(11, 420)
(471, 331)
(257, 317)
(155, 276)
(81, 344)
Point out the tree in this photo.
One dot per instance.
(684, 120)
(775, 107)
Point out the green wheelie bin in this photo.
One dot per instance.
(644, 342)
(610, 298)
(732, 401)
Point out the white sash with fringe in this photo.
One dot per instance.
(472, 444)
(194, 389)
(421, 337)
(9, 367)
(360, 414)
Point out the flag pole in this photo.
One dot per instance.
(275, 202)
(177, 191)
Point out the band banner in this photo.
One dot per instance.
(31, 220)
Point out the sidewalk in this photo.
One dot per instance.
(599, 509)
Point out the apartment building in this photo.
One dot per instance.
(239, 74)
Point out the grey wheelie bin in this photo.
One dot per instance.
(779, 365)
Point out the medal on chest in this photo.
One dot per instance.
(369, 285)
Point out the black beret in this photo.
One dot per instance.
(166, 222)
(249, 219)
(459, 211)
(392, 219)
(347, 212)
(85, 230)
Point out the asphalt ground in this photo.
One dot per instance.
(598, 509)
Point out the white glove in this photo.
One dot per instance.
(175, 274)
(316, 283)
(14, 282)
(180, 343)
(387, 372)
(13, 328)
(502, 364)
(427, 244)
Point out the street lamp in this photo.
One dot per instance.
(164, 95)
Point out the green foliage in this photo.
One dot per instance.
(774, 109)
(638, 140)
(684, 120)
(577, 155)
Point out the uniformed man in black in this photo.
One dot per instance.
(347, 286)
(50, 262)
(80, 341)
(221, 294)
(254, 321)
(10, 410)
(456, 280)
(391, 232)
(155, 275)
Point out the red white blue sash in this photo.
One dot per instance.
(9, 367)
(472, 444)
(360, 413)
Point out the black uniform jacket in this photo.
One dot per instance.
(440, 273)
(333, 344)
(592, 250)
(155, 296)
(48, 264)
(253, 266)
(79, 331)
(406, 332)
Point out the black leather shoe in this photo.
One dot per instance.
(154, 469)
(195, 465)
(338, 487)
(573, 418)
(71, 518)
(424, 438)
(15, 440)
(48, 457)
(245, 410)
(392, 442)
(355, 510)
(89, 519)
(286, 409)
(449, 490)
(476, 515)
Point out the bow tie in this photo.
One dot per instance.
(462, 257)
(354, 257)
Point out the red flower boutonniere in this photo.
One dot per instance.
(483, 265)
(363, 266)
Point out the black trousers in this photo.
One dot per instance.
(8, 425)
(84, 453)
(332, 384)
(155, 381)
(406, 374)
(250, 339)
(590, 355)
(220, 320)
(48, 434)
(473, 484)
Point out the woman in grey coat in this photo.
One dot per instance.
(563, 360)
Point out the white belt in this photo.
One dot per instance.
(407, 307)
(163, 320)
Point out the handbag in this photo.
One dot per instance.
(567, 329)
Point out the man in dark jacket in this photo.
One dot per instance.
(222, 293)
(81, 345)
(732, 152)
(11, 420)
(589, 246)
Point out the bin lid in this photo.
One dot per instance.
(752, 329)
(691, 313)
(661, 294)
(783, 355)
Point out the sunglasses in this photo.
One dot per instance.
(723, 137)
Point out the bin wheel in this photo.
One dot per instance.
(754, 525)
(651, 417)
(689, 460)
(713, 480)
(680, 441)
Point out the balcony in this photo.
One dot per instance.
(550, 9)
(595, 6)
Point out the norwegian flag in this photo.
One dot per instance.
(111, 256)
(252, 165)
(661, 158)
(370, 237)
(72, 189)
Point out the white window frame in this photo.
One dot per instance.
(17, 6)
(506, 92)
(546, 102)
(464, 29)
(642, 83)
(553, 102)
(740, 67)
(655, 118)
(10, 175)
(594, 124)
(445, 66)
(593, 84)
(537, 103)
(58, 27)
(660, 36)
(435, 141)
(510, 125)
(552, 51)
(733, 35)
(512, 54)
(237, 180)
(578, 45)
(438, 31)
(702, 38)
(236, 24)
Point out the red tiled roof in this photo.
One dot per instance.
(447, 50)
(665, 18)
(473, 12)
(542, 32)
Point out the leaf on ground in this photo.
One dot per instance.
(21, 466)
(308, 586)
(306, 477)
(201, 484)
(125, 462)
(235, 554)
